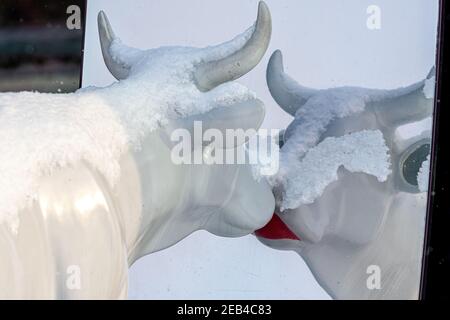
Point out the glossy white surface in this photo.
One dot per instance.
(80, 234)
(78, 220)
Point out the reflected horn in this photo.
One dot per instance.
(405, 105)
(289, 95)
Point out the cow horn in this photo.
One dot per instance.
(209, 75)
(289, 95)
(119, 66)
(405, 105)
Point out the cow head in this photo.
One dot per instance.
(359, 223)
(191, 86)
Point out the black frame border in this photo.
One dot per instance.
(435, 280)
(83, 39)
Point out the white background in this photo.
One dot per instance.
(325, 43)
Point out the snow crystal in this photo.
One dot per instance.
(363, 151)
(43, 132)
(423, 175)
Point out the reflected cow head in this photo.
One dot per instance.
(360, 227)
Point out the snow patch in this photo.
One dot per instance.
(312, 119)
(43, 132)
(363, 151)
(423, 175)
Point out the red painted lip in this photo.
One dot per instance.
(276, 229)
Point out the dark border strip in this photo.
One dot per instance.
(83, 41)
(435, 281)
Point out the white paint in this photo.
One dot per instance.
(388, 58)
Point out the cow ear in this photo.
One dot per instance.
(245, 116)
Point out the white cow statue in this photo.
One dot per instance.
(87, 180)
(362, 236)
